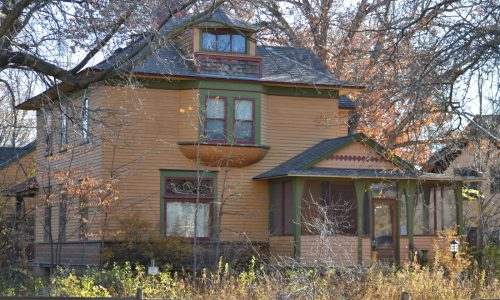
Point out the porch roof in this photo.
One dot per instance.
(303, 164)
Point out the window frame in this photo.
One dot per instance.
(217, 33)
(49, 132)
(190, 198)
(85, 119)
(235, 140)
(206, 119)
(63, 137)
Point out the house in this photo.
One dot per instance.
(17, 170)
(477, 153)
(17, 200)
(219, 138)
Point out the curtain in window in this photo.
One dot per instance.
(181, 222)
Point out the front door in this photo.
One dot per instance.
(384, 228)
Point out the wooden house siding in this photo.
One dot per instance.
(12, 174)
(339, 250)
(150, 144)
(82, 159)
(421, 242)
(154, 123)
(184, 41)
(281, 246)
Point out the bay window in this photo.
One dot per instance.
(188, 206)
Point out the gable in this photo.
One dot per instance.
(356, 156)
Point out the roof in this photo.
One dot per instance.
(442, 159)
(25, 188)
(280, 64)
(11, 154)
(219, 17)
(301, 164)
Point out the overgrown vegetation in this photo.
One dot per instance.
(444, 279)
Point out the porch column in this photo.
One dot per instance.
(360, 186)
(460, 208)
(297, 190)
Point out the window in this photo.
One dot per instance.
(85, 119)
(215, 123)
(223, 41)
(423, 221)
(64, 129)
(281, 212)
(63, 210)
(244, 121)
(48, 132)
(230, 120)
(495, 180)
(447, 207)
(188, 206)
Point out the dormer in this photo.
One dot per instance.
(222, 45)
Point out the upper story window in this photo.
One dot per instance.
(223, 41)
(215, 121)
(85, 119)
(244, 111)
(230, 120)
(48, 132)
(64, 129)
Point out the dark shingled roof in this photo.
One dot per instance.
(220, 17)
(280, 64)
(11, 154)
(444, 157)
(25, 188)
(301, 163)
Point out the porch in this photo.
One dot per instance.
(342, 198)
(340, 221)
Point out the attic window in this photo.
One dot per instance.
(223, 41)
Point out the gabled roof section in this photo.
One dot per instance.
(305, 161)
(444, 157)
(221, 18)
(25, 188)
(9, 155)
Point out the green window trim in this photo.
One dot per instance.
(231, 97)
(201, 174)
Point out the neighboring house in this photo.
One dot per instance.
(253, 140)
(476, 154)
(17, 197)
(17, 171)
